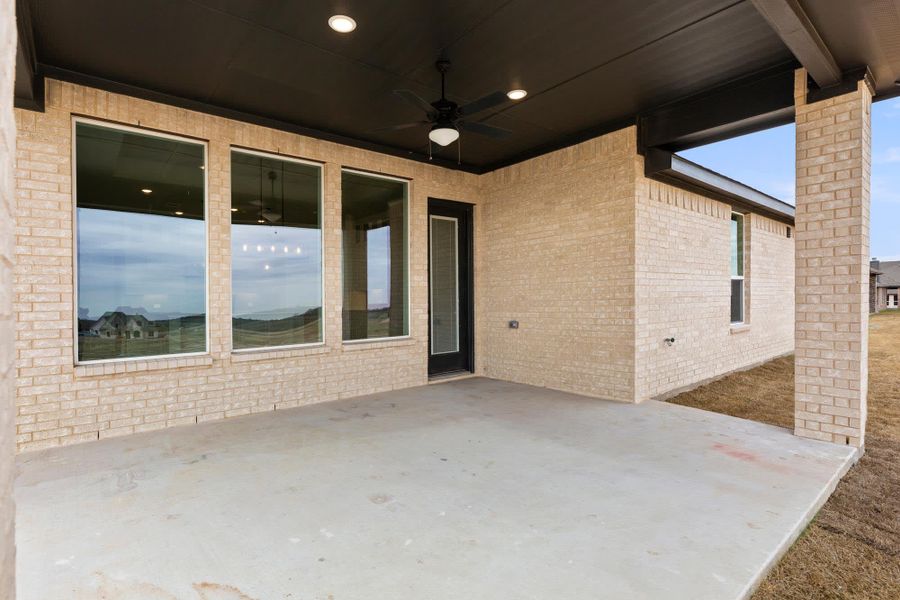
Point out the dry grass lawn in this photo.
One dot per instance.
(852, 548)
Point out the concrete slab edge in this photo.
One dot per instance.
(800, 526)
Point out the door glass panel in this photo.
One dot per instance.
(444, 286)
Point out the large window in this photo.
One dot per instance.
(374, 221)
(141, 243)
(737, 268)
(276, 251)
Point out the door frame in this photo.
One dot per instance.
(467, 294)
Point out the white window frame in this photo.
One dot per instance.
(148, 133)
(743, 267)
(407, 187)
(302, 161)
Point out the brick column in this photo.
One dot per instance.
(832, 264)
(7, 327)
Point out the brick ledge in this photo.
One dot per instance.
(135, 366)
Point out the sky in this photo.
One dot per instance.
(140, 261)
(275, 271)
(765, 160)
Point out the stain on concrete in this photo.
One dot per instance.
(111, 589)
(195, 460)
(125, 481)
(749, 457)
(219, 591)
(380, 498)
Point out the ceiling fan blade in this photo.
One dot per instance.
(415, 100)
(484, 103)
(400, 127)
(484, 129)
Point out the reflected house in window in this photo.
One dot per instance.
(119, 325)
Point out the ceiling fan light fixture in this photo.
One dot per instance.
(342, 23)
(516, 94)
(443, 135)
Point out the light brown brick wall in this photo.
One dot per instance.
(556, 243)
(59, 403)
(7, 328)
(683, 254)
(558, 237)
(833, 170)
(563, 233)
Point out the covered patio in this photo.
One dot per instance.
(474, 488)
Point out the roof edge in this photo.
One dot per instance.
(670, 168)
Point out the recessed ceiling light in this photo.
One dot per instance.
(342, 23)
(179, 213)
(234, 210)
(146, 191)
(516, 94)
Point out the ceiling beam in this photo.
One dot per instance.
(28, 90)
(751, 104)
(797, 32)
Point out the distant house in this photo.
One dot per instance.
(117, 324)
(887, 285)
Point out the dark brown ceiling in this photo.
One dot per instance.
(587, 65)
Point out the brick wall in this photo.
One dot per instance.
(683, 250)
(833, 170)
(600, 264)
(558, 237)
(59, 403)
(7, 352)
(556, 243)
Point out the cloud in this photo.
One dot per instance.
(884, 189)
(783, 190)
(890, 155)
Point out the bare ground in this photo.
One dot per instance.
(852, 548)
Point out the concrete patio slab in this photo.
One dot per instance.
(467, 489)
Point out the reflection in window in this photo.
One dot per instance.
(141, 244)
(737, 268)
(373, 217)
(276, 252)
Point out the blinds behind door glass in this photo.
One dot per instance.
(444, 286)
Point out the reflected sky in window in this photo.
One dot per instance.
(379, 267)
(148, 264)
(276, 271)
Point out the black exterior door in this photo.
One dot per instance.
(450, 282)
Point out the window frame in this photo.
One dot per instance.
(74, 173)
(303, 161)
(407, 213)
(743, 267)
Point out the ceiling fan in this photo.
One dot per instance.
(446, 117)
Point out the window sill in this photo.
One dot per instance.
(354, 345)
(137, 366)
(238, 356)
(740, 327)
